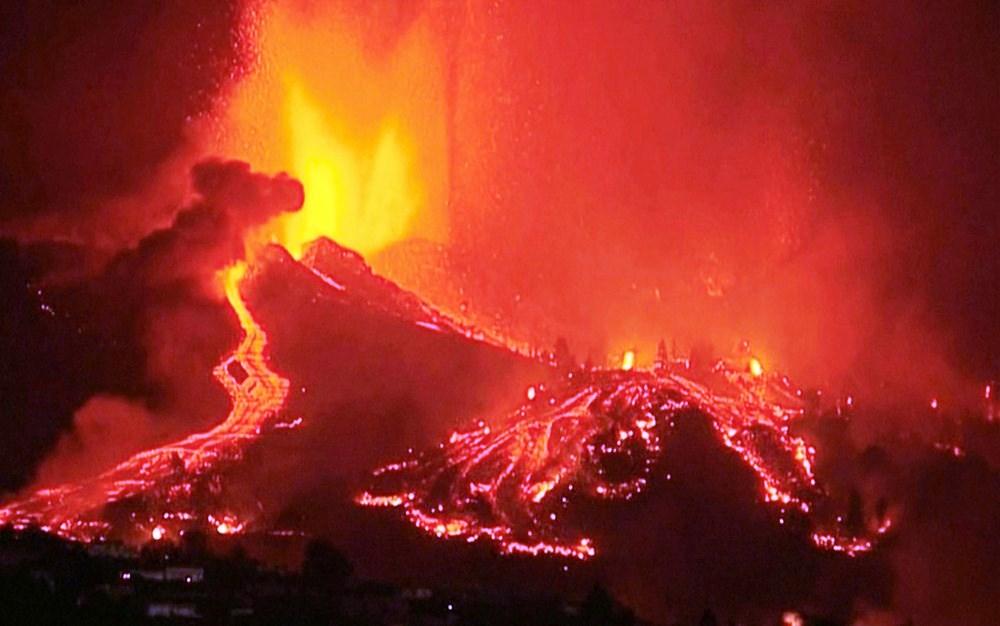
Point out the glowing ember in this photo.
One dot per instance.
(791, 618)
(226, 524)
(598, 437)
(628, 360)
(755, 367)
(158, 533)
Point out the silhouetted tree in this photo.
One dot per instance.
(708, 619)
(325, 566)
(702, 356)
(194, 544)
(662, 356)
(855, 520)
(600, 608)
(562, 356)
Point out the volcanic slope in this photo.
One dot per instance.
(344, 338)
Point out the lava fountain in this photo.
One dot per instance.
(358, 118)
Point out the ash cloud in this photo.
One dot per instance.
(102, 110)
(157, 309)
(105, 430)
(209, 234)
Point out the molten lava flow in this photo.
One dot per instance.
(167, 475)
(628, 360)
(597, 437)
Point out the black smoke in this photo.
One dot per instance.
(149, 327)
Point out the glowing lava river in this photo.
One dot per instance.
(257, 393)
(595, 435)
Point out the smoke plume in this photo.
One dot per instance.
(162, 300)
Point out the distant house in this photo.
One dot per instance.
(375, 602)
(185, 574)
(185, 610)
(174, 573)
(110, 550)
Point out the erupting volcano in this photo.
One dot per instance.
(591, 434)
(372, 178)
(692, 303)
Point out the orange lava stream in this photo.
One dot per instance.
(75, 510)
(597, 437)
